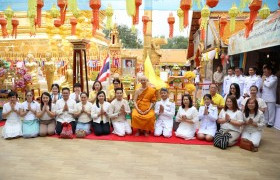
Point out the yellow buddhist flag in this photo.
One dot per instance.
(151, 75)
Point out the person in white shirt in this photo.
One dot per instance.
(77, 92)
(239, 79)
(218, 78)
(28, 110)
(100, 114)
(188, 117)
(64, 109)
(253, 94)
(235, 91)
(11, 112)
(46, 114)
(83, 113)
(227, 81)
(118, 111)
(231, 120)
(55, 95)
(269, 95)
(251, 80)
(208, 115)
(253, 125)
(165, 110)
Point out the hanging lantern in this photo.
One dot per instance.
(171, 21)
(279, 3)
(57, 23)
(136, 17)
(233, 12)
(254, 7)
(73, 22)
(109, 13)
(40, 4)
(133, 29)
(185, 5)
(76, 13)
(198, 2)
(180, 14)
(264, 12)
(223, 23)
(31, 14)
(130, 7)
(9, 13)
(145, 20)
(62, 4)
(15, 24)
(205, 13)
(202, 30)
(54, 11)
(212, 3)
(3, 23)
(247, 29)
(95, 6)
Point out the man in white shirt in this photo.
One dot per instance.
(77, 92)
(218, 78)
(239, 79)
(64, 110)
(269, 95)
(227, 81)
(118, 110)
(165, 110)
(251, 80)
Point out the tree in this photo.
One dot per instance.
(178, 42)
(129, 39)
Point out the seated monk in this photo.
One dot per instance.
(143, 116)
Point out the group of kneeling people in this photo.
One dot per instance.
(48, 118)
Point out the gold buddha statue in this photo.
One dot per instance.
(68, 82)
(50, 69)
(32, 69)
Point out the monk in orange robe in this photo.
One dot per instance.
(143, 115)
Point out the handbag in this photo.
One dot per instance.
(247, 145)
(66, 132)
(81, 134)
(221, 139)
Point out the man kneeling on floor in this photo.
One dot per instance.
(119, 109)
(165, 110)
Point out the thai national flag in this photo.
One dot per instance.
(104, 72)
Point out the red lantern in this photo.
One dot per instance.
(254, 7)
(73, 22)
(62, 4)
(212, 3)
(57, 23)
(171, 21)
(223, 23)
(15, 24)
(247, 29)
(136, 17)
(95, 6)
(279, 3)
(145, 20)
(3, 23)
(40, 4)
(185, 5)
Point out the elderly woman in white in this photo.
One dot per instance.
(208, 115)
(188, 117)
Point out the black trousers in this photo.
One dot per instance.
(58, 127)
(101, 128)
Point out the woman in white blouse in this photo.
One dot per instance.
(11, 112)
(208, 115)
(55, 93)
(188, 117)
(235, 91)
(28, 110)
(83, 113)
(253, 94)
(100, 114)
(254, 123)
(46, 114)
(231, 119)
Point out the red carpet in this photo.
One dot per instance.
(150, 139)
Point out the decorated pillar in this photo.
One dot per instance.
(115, 50)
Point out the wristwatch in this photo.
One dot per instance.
(229, 120)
